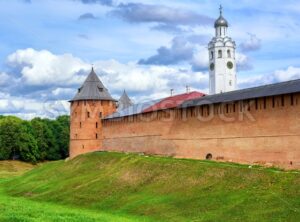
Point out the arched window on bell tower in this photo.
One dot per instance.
(228, 53)
(220, 54)
(211, 55)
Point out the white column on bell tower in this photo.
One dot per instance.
(222, 63)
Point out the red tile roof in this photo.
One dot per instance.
(173, 101)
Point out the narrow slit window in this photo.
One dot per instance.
(228, 53)
(220, 54)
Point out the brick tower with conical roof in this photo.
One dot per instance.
(91, 103)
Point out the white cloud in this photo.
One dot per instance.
(3, 78)
(49, 80)
(30, 108)
(281, 75)
(287, 74)
(200, 59)
(44, 68)
(62, 91)
(146, 79)
(243, 62)
(131, 76)
(251, 44)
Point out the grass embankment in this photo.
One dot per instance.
(22, 209)
(163, 189)
(13, 168)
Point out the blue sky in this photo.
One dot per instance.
(146, 47)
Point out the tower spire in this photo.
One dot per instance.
(221, 10)
(124, 102)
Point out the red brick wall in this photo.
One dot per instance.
(250, 132)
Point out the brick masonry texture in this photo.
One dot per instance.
(252, 132)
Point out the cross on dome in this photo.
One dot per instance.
(221, 21)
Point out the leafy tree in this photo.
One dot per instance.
(63, 137)
(38, 132)
(9, 136)
(53, 143)
(47, 145)
(28, 147)
(35, 140)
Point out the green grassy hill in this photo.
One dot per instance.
(13, 168)
(142, 188)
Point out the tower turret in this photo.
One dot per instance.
(222, 63)
(124, 102)
(91, 103)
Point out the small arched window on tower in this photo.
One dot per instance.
(211, 55)
(228, 53)
(230, 83)
(220, 54)
(96, 124)
(100, 89)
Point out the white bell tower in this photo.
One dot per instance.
(222, 64)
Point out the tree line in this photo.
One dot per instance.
(35, 140)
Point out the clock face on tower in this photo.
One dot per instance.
(229, 65)
(212, 66)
